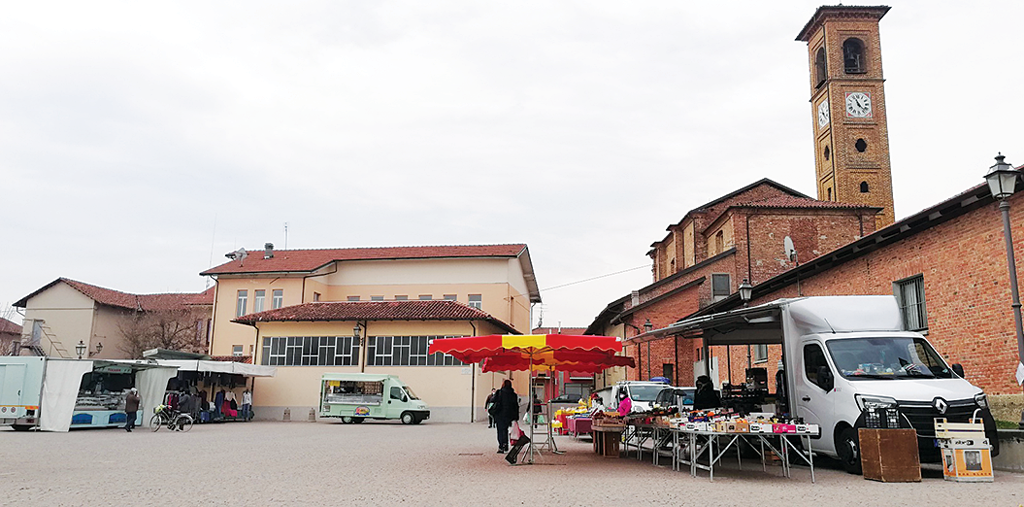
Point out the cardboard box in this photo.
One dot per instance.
(808, 429)
(890, 455)
(783, 428)
(761, 428)
(967, 464)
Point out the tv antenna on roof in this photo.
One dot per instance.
(787, 243)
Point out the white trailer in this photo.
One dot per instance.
(843, 355)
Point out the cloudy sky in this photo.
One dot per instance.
(140, 141)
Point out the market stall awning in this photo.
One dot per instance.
(233, 367)
(576, 353)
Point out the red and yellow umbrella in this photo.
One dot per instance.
(543, 352)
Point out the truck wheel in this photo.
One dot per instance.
(408, 418)
(848, 448)
(346, 420)
(21, 427)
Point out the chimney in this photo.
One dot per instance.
(268, 253)
(635, 299)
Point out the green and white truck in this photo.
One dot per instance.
(356, 397)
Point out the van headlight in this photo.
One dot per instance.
(868, 401)
(981, 400)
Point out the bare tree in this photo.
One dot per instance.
(173, 329)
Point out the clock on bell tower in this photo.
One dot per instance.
(851, 139)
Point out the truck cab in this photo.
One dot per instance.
(356, 397)
(846, 375)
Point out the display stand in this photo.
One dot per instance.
(606, 440)
(689, 447)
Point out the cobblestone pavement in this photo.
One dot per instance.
(386, 463)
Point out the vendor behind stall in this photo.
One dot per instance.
(705, 397)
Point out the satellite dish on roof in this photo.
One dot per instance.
(237, 255)
(787, 243)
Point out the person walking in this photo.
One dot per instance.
(507, 410)
(131, 408)
(487, 405)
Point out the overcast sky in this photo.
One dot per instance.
(140, 141)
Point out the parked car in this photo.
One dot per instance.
(681, 397)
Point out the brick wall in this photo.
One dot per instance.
(966, 283)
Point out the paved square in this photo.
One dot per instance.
(385, 463)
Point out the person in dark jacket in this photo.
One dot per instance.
(507, 402)
(131, 409)
(487, 404)
(705, 397)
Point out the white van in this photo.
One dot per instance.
(846, 354)
(641, 393)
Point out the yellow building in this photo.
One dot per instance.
(298, 310)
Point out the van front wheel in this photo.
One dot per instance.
(848, 448)
(408, 418)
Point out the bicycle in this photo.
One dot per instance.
(173, 420)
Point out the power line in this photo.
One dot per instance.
(597, 277)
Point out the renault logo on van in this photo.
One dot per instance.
(940, 405)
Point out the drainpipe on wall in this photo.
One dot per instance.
(472, 384)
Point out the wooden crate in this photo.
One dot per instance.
(890, 455)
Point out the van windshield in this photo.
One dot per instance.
(890, 358)
(644, 393)
(412, 395)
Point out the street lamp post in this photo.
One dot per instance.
(1002, 181)
(746, 292)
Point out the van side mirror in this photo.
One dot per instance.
(825, 379)
(958, 369)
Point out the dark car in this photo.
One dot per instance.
(681, 397)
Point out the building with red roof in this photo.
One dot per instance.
(707, 255)
(112, 324)
(371, 310)
(9, 334)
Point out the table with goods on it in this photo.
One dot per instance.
(700, 439)
(573, 421)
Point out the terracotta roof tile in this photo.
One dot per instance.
(799, 202)
(309, 260)
(8, 327)
(116, 298)
(328, 311)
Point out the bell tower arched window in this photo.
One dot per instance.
(820, 70)
(853, 56)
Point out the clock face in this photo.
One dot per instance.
(823, 117)
(858, 105)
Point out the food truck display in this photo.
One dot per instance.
(356, 397)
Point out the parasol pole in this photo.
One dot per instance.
(529, 406)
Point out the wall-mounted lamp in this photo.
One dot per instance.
(80, 348)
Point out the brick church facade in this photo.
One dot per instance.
(946, 265)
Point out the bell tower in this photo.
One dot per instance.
(851, 140)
